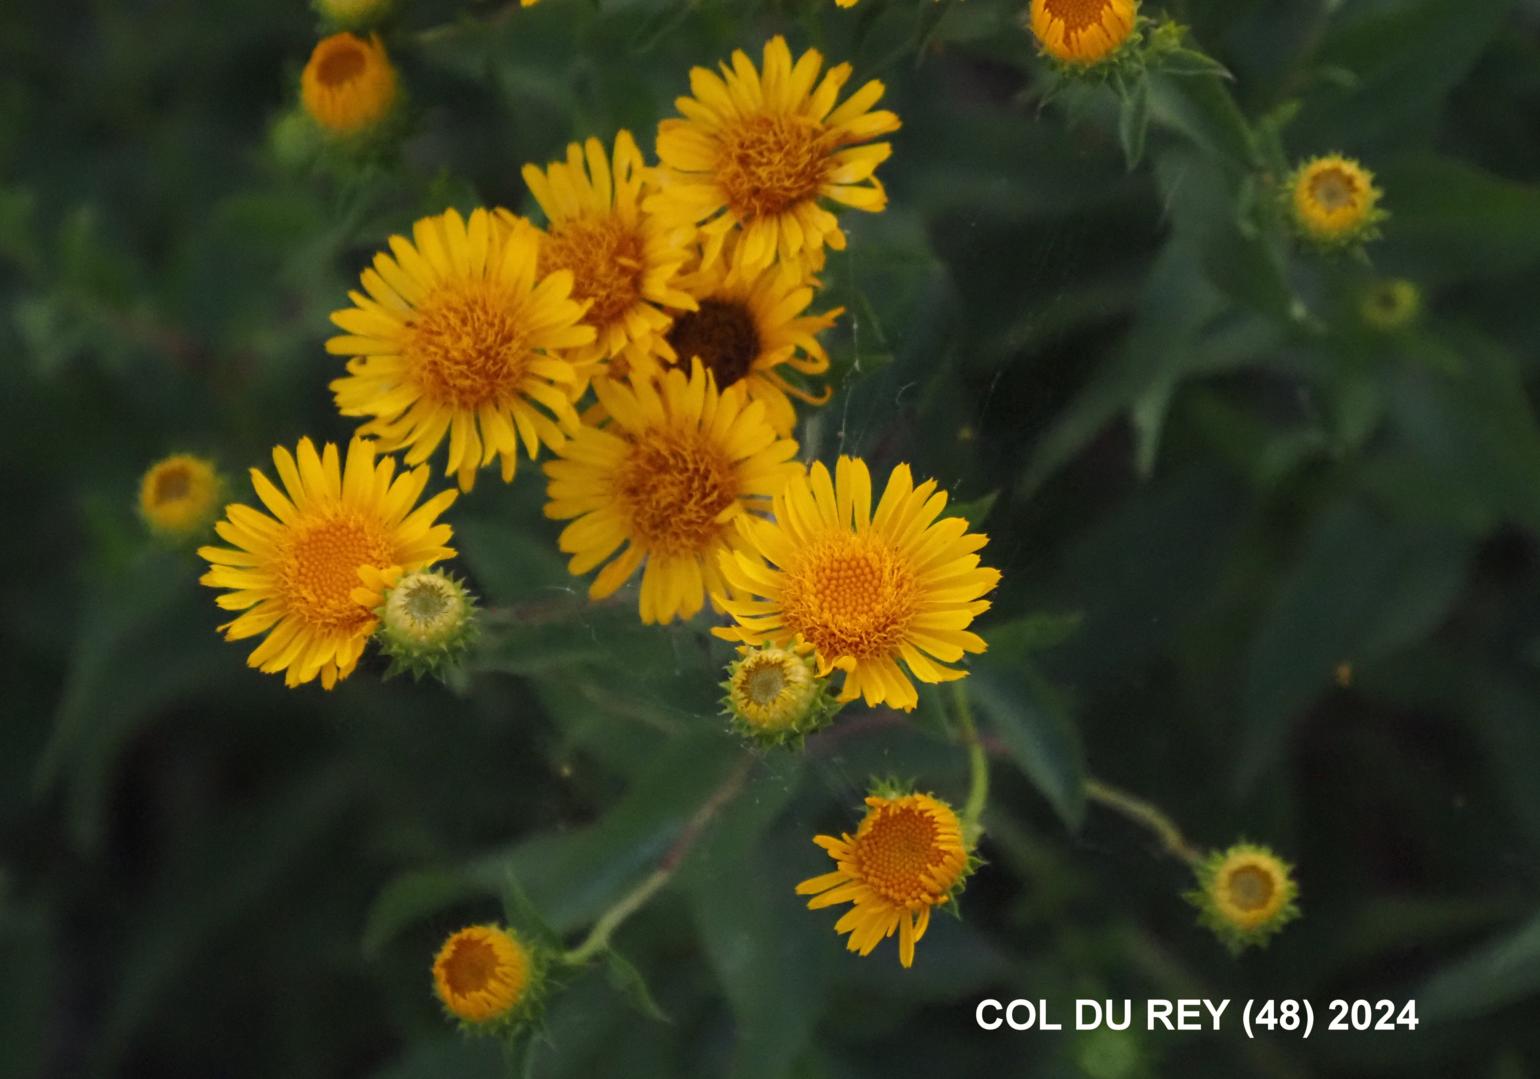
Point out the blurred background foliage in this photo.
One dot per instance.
(1208, 483)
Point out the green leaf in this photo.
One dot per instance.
(1035, 730)
(1497, 973)
(626, 980)
(1452, 221)
(1363, 587)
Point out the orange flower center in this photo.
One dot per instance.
(1334, 189)
(674, 484)
(341, 64)
(467, 345)
(723, 334)
(769, 164)
(850, 595)
(470, 966)
(172, 484)
(896, 848)
(319, 570)
(1077, 15)
(606, 257)
(1250, 888)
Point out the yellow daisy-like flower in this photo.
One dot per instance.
(482, 973)
(623, 261)
(747, 326)
(1245, 895)
(349, 84)
(1334, 202)
(678, 462)
(179, 496)
(1083, 32)
(759, 150)
(866, 589)
(294, 570)
(459, 335)
(906, 858)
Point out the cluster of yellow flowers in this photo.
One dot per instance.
(653, 334)
(675, 297)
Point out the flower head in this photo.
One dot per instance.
(678, 462)
(179, 496)
(865, 589)
(1333, 201)
(484, 975)
(758, 149)
(427, 618)
(1245, 895)
(349, 85)
(460, 336)
(753, 328)
(1083, 32)
(623, 261)
(774, 695)
(1391, 304)
(906, 858)
(293, 570)
(351, 14)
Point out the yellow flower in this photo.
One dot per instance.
(758, 150)
(460, 336)
(746, 326)
(294, 573)
(1083, 32)
(906, 857)
(1245, 895)
(864, 588)
(623, 261)
(180, 495)
(349, 84)
(678, 462)
(773, 694)
(1334, 201)
(1391, 304)
(482, 973)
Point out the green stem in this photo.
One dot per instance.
(612, 919)
(1143, 813)
(598, 937)
(978, 768)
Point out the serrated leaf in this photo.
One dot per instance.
(626, 980)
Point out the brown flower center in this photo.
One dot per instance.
(1077, 14)
(467, 345)
(1250, 888)
(769, 164)
(1333, 189)
(171, 484)
(470, 966)
(673, 485)
(342, 63)
(723, 334)
(606, 258)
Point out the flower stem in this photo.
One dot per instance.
(604, 928)
(1143, 813)
(978, 768)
